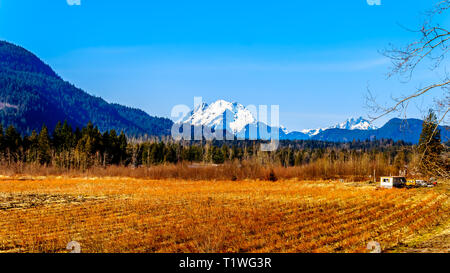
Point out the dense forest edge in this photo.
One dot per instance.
(88, 150)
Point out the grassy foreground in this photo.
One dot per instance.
(43, 214)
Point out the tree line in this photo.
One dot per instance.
(64, 147)
(88, 146)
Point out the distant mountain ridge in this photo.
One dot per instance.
(407, 130)
(350, 124)
(356, 124)
(32, 94)
(238, 120)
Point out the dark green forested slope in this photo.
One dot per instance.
(31, 94)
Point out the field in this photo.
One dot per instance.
(43, 214)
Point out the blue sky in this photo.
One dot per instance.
(313, 58)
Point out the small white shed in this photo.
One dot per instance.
(389, 182)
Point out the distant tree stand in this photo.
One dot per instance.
(433, 46)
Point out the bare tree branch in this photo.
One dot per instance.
(433, 45)
(400, 103)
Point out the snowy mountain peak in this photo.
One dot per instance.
(284, 129)
(237, 117)
(213, 115)
(313, 132)
(355, 124)
(350, 124)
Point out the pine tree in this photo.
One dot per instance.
(57, 137)
(218, 156)
(291, 158)
(430, 147)
(68, 136)
(63, 138)
(32, 155)
(122, 141)
(44, 149)
(170, 155)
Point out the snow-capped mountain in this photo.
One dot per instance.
(350, 124)
(236, 119)
(313, 132)
(284, 130)
(355, 124)
(239, 119)
(213, 116)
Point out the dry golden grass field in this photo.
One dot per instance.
(132, 215)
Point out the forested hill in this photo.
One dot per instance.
(32, 94)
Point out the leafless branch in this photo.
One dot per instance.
(433, 45)
(402, 102)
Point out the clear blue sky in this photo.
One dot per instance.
(313, 58)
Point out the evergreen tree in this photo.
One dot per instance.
(33, 147)
(44, 149)
(218, 156)
(291, 157)
(170, 155)
(57, 137)
(122, 151)
(63, 137)
(430, 147)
